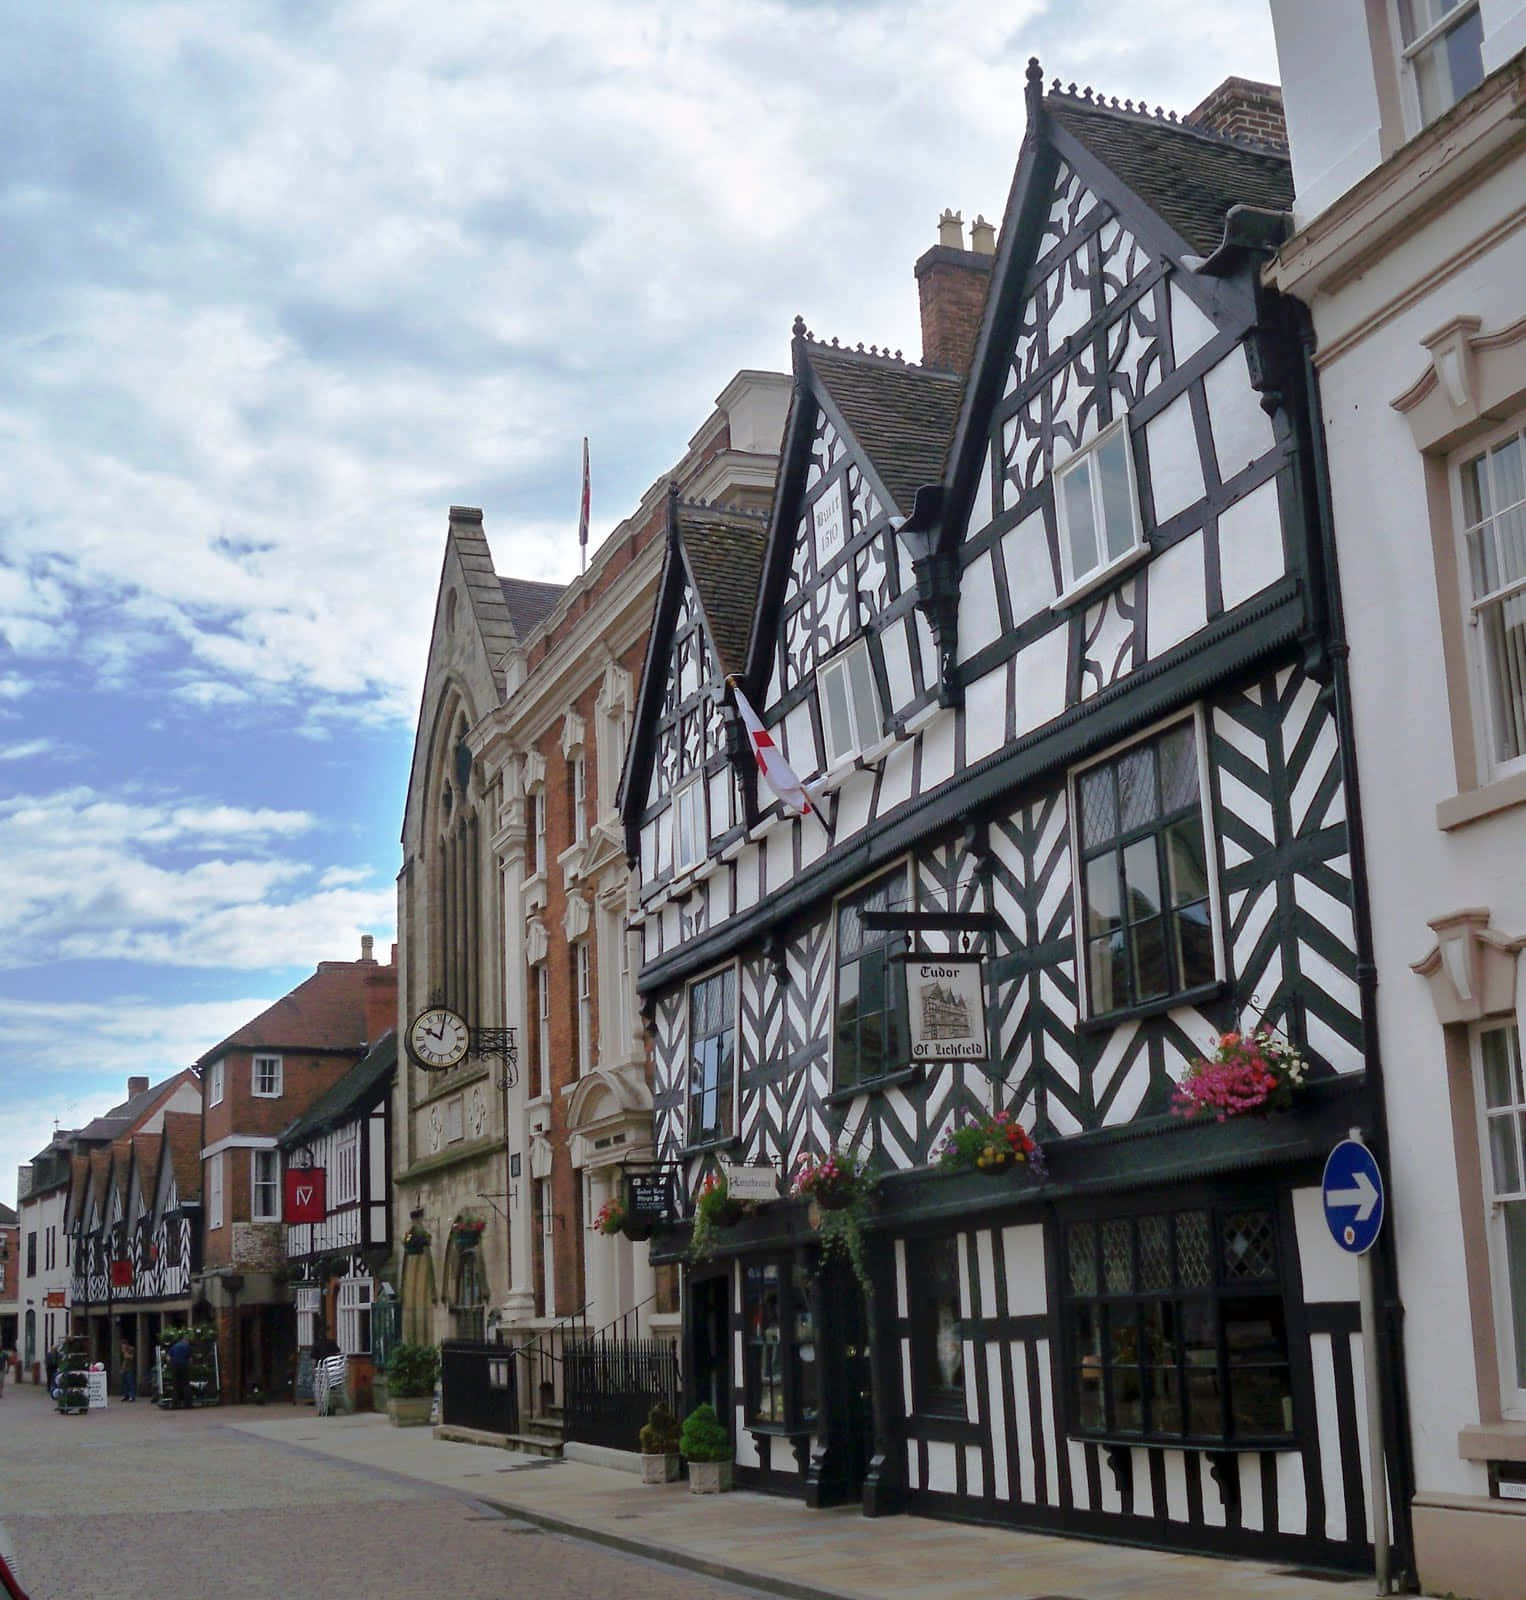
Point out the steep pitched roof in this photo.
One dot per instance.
(146, 1148)
(1187, 176)
(182, 1148)
(355, 1092)
(529, 602)
(324, 1012)
(901, 416)
(120, 1119)
(7, 1216)
(723, 550)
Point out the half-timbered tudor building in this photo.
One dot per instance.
(512, 908)
(1047, 637)
(337, 1268)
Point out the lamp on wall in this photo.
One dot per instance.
(1471, 968)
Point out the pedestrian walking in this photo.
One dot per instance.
(180, 1373)
(129, 1371)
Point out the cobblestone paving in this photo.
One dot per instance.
(134, 1503)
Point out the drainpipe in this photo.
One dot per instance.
(1328, 598)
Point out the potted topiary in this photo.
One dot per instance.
(411, 1376)
(659, 1446)
(706, 1446)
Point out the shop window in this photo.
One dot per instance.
(1145, 886)
(1503, 1103)
(712, 1057)
(1176, 1327)
(870, 1034)
(932, 1276)
(778, 1346)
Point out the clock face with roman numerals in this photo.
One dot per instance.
(438, 1039)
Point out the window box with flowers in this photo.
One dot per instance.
(994, 1143)
(1258, 1071)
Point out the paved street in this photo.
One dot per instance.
(135, 1503)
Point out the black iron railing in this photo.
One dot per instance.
(479, 1386)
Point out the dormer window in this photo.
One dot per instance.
(688, 826)
(850, 708)
(1097, 503)
(1442, 52)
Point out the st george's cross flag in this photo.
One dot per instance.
(776, 771)
(583, 503)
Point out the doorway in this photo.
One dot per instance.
(847, 1391)
(710, 1325)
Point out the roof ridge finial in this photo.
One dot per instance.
(799, 330)
(1034, 93)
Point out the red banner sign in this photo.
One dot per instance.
(121, 1274)
(306, 1194)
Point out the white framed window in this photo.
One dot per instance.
(584, 961)
(1441, 48)
(345, 1187)
(215, 1084)
(579, 798)
(1146, 887)
(689, 825)
(355, 1316)
(538, 827)
(1096, 502)
(612, 758)
(1491, 505)
(308, 1306)
(850, 706)
(267, 1077)
(543, 1029)
(215, 1190)
(265, 1186)
(1501, 1097)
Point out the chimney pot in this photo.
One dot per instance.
(136, 1086)
(367, 945)
(951, 230)
(983, 237)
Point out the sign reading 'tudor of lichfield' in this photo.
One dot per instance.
(946, 1003)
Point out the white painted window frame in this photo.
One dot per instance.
(1415, 119)
(543, 1029)
(1480, 684)
(215, 1083)
(271, 1213)
(1512, 1390)
(274, 1068)
(853, 666)
(215, 1190)
(356, 1295)
(1076, 584)
(538, 826)
(1199, 719)
(346, 1186)
(583, 960)
(689, 796)
(579, 798)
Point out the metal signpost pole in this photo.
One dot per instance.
(1377, 1471)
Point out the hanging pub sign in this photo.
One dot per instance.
(751, 1183)
(946, 1005)
(650, 1198)
(306, 1198)
(121, 1274)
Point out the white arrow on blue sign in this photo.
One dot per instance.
(1353, 1197)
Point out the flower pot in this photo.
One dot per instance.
(409, 1411)
(709, 1477)
(835, 1197)
(660, 1468)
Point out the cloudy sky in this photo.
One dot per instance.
(285, 280)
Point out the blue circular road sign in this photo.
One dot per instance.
(1353, 1197)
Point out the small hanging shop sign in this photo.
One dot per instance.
(306, 1196)
(946, 1004)
(121, 1274)
(751, 1183)
(651, 1199)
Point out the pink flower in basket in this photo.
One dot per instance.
(1255, 1071)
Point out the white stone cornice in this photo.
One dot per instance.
(537, 941)
(573, 734)
(575, 921)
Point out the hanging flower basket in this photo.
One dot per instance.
(834, 1181)
(416, 1241)
(467, 1232)
(1248, 1073)
(993, 1144)
(713, 1209)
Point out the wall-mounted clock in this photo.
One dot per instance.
(438, 1039)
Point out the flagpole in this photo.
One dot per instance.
(583, 508)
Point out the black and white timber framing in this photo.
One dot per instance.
(1110, 299)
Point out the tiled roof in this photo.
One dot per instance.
(79, 1174)
(7, 1216)
(529, 602)
(353, 1092)
(724, 550)
(121, 1118)
(147, 1146)
(1188, 177)
(182, 1139)
(326, 1012)
(902, 416)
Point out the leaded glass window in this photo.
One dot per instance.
(1145, 887)
(712, 1056)
(871, 988)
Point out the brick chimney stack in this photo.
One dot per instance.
(1243, 109)
(381, 998)
(952, 283)
(136, 1086)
